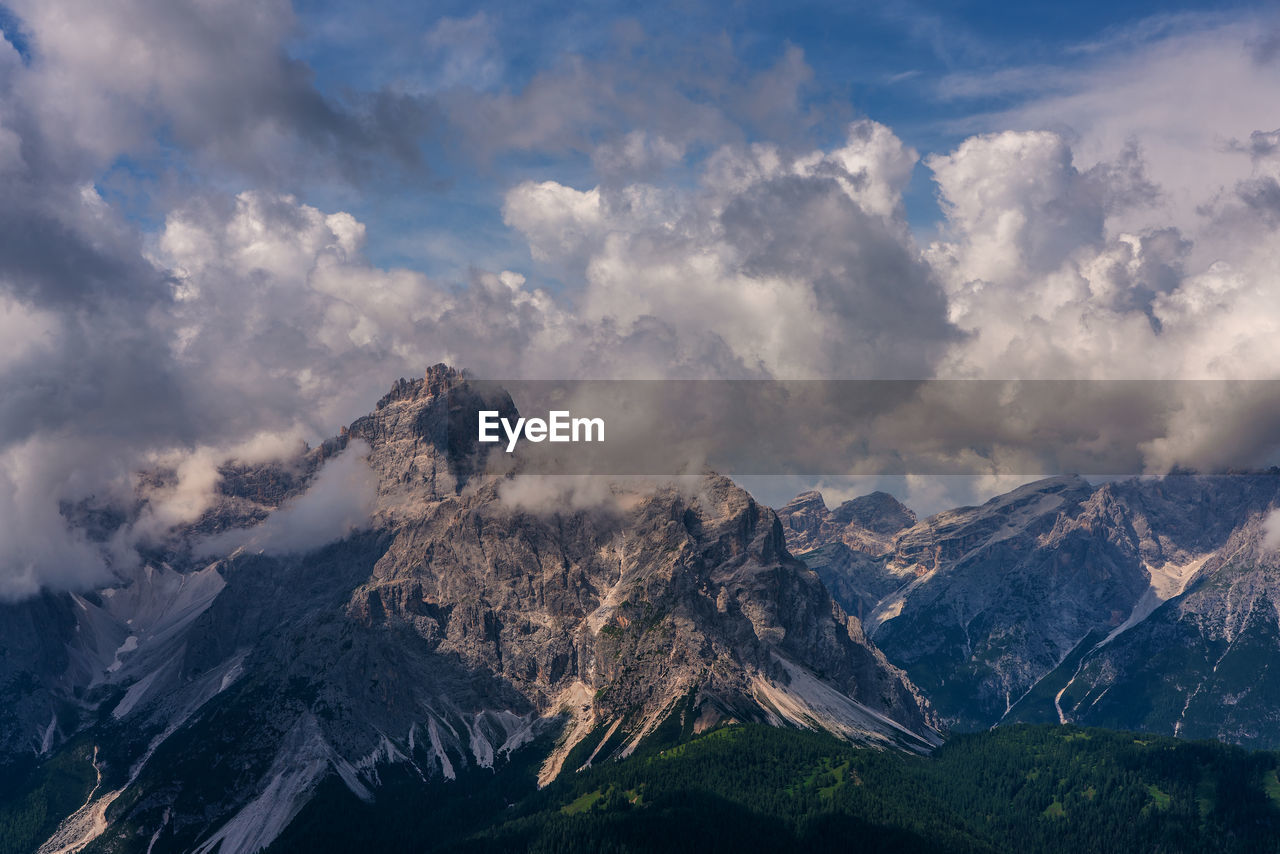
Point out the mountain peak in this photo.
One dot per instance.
(878, 512)
(436, 380)
(866, 523)
(810, 499)
(422, 433)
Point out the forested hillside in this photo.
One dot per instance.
(751, 787)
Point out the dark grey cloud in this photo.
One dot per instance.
(1260, 145)
(893, 310)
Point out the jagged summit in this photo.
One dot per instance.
(809, 499)
(803, 518)
(422, 433)
(436, 380)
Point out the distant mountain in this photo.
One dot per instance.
(846, 546)
(867, 524)
(1199, 655)
(1147, 604)
(203, 703)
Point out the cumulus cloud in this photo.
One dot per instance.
(797, 265)
(1163, 89)
(1271, 531)
(1036, 270)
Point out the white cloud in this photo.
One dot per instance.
(1271, 531)
(1182, 98)
(1036, 271)
(37, 547)
(799, 266)
(340, 500)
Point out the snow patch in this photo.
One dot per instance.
(46, 743)
(164, 822)
(129, 645)
(234, 672)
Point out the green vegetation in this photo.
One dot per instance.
(583, 803)
(1023, 788)
(1271, 783)
(1159, 799)
(32, 810)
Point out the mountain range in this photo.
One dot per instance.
(220, 692)
(1146, 604)
(477, 623)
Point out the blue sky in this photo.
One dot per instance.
(890, 62)
(898, 64)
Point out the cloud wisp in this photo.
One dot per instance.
(339, 501)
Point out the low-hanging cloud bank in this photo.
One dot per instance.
(1065, 253)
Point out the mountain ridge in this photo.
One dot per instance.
(453, 631)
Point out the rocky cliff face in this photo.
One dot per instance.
(462, 625)
(1120, 605)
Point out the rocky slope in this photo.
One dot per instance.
(460, 626)
(1141, 604)
(1198, 656)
